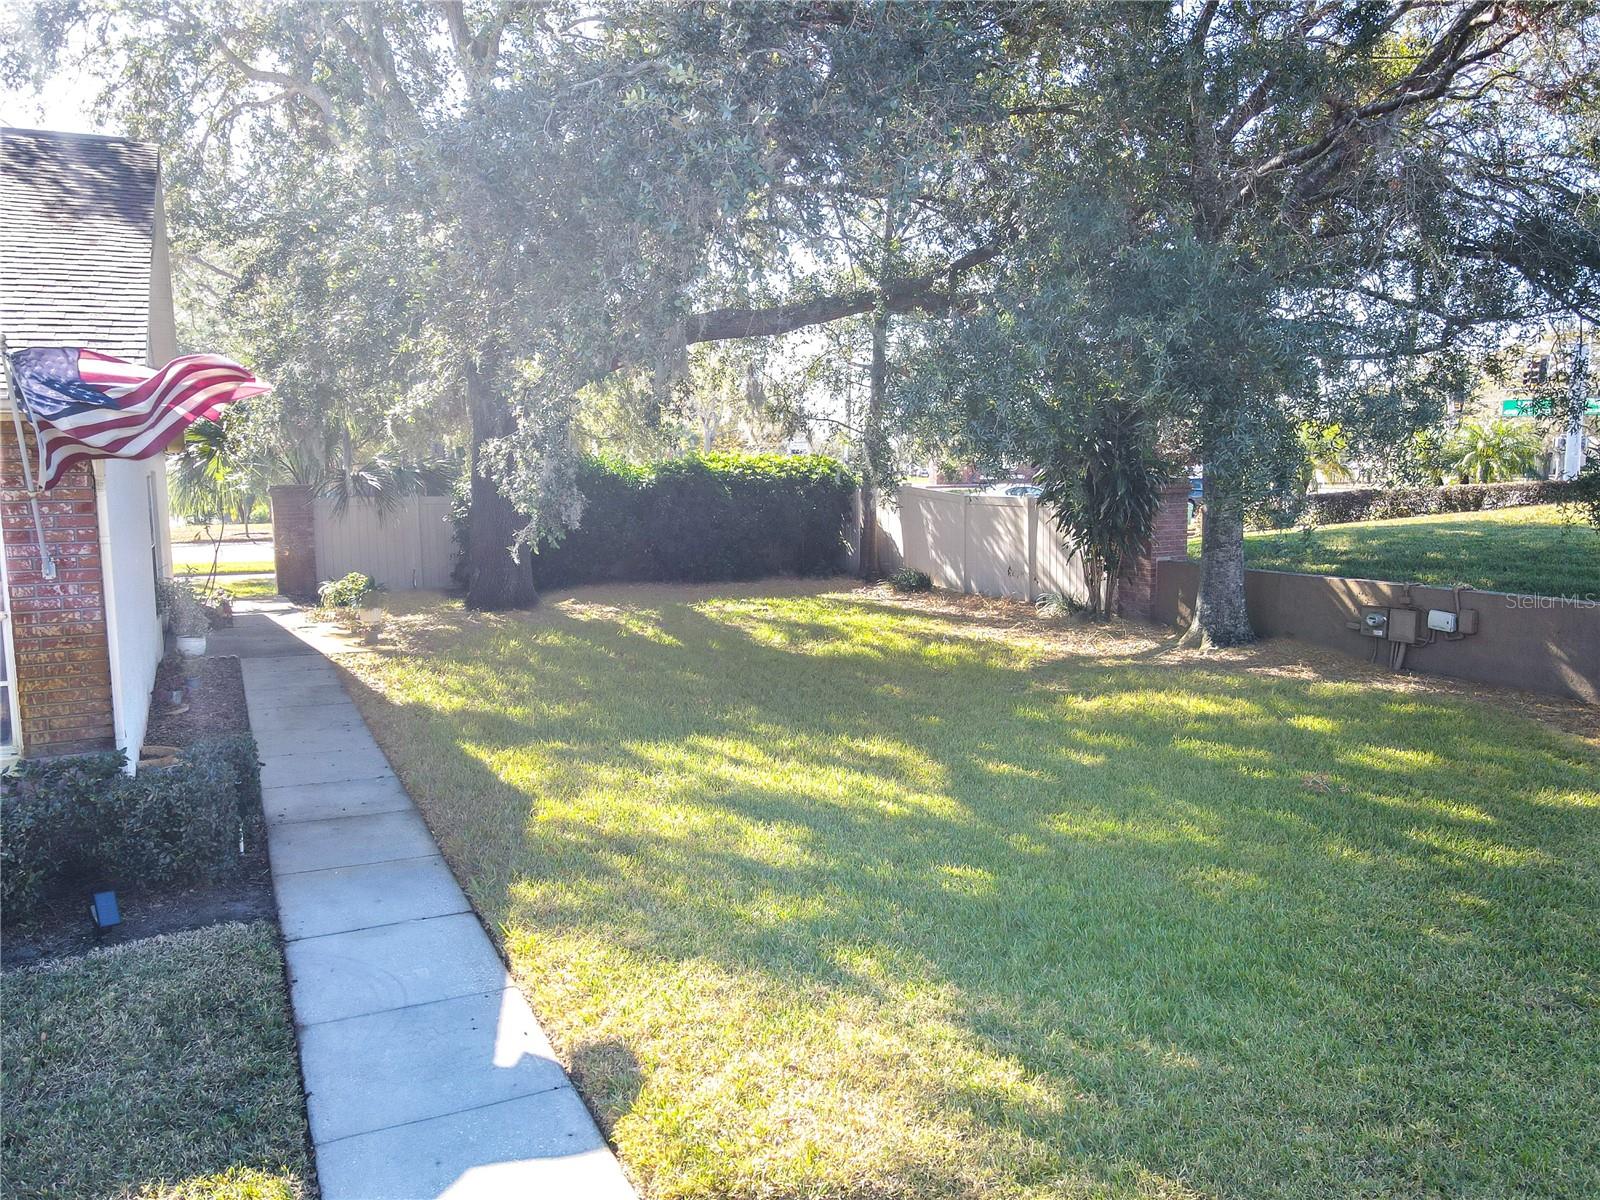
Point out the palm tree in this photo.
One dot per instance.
(213, 474)
(336, 465)
(1494, 451)
(1325, 448)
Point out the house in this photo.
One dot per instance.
(83, 262)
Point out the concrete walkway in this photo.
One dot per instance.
(426, 1073)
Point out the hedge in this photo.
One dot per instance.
(704, 517)
(1378, 504)
(79, 822)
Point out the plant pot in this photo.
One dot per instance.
(194, 647)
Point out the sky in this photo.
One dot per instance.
(64, 106)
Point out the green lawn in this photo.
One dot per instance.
(161, 1068)
(829, 895)
(1528, 550)
(254, 566)
(250, 587)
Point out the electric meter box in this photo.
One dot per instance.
(1441, 620)
(1405, 625)
(1391, 624)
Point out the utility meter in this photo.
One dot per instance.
(1389, 624)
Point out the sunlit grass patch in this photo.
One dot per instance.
(251, 587)
(163, 1069)
(1530, 550)
(834, 895)
(253, 566)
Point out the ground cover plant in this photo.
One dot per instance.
(864, 895)
(1533, 550)
(163, 1069)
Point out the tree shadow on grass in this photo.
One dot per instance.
(1167, 921)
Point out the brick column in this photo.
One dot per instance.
(294, 541)
(1169, 538)
(58, 626)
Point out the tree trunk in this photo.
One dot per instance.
(1221, 617)
(878, 384)
(495, 580)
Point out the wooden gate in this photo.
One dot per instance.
(409, 546)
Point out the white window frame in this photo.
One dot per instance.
(13, 749)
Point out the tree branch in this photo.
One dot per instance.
(289, 83)
(917, 293)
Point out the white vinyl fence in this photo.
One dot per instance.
(992, 545)
(409, 546)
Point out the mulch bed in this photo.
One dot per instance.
(63, 929)
(216, 702)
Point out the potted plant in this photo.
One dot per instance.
(355, 595)
(188, 620)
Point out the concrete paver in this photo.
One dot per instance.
(540, 1147)
(368, 970)
(358, 760)
(311, 903)
(427, 1060)
(275, 719)
(343, 798)
(350, 841)
(426, 1073)
(326, 736)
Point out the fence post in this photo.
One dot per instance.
(1169, 538)
(1033, 547)
(294, 540)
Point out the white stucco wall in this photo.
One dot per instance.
(133, 541)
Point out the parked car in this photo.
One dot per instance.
(1031, 490)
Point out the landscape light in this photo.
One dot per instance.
(103, 908)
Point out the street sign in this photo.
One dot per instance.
(1522, 406)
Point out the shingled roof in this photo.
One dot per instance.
(77, 219)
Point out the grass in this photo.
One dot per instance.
(839, 895)
(264, 566)
(163, 1068)
(252, 587)
(1527, 550)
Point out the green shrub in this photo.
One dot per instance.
(79, 822)
(350, 592)
(705, 517)
(1379, 504)
(1053, 606)
(909, 579)
(1582, 502)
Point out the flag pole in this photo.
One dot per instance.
(47, 564)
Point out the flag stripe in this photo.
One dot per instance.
(87, 405)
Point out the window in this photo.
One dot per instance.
(8, 686)
(8, 736)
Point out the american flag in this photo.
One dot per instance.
(84, 404)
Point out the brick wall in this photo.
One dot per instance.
(294, 541)
(1136, 593)
(58, 626)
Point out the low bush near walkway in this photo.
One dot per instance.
(80, 822)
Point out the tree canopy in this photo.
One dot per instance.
(461, 223)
